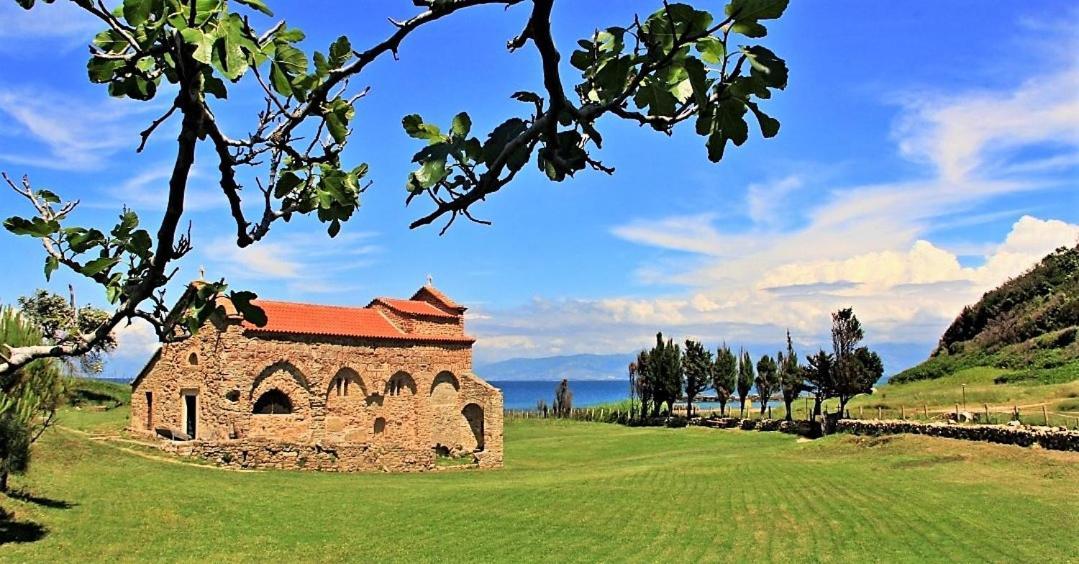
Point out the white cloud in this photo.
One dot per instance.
(765, 201)
(135, 341)
(866, 246)
(305, 262)
(148, 190)
(60, 21)
(60, 132)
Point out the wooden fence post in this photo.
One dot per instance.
(1045, 415)
(925, 410)
(880, 412)
(860, 416)
(902, 412)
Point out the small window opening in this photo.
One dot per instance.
(193, 359)
(380, 426)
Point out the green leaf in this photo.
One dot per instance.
(655, 96)
(136, 12)
(766, 66)
(499, 138)
(279, 80)
(97, 266)
(769, 125)
(526, 96)
(48, 196)
(750, 29)
(203, 43)
(258, 5)
(338, 114)
(243, 302)
(461, 125)
(35, 227)
(81, 240)
(51, 264)
(286, 183)
(712, 50)
(417, 129)
(204, 10)
(753, 10)
(727, 125)
(213, 85)
(101, 70)
(698, 80)
(334, 228)
(340, 52)
(128, 221)
(430, 173)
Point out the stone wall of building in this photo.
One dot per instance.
(401, 396)
(351, 457)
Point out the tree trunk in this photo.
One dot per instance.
(742, 411)
(817, 401)
(789, 402)
(3, 482)
(689, 407)
(723, 408)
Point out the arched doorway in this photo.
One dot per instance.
(473, 415)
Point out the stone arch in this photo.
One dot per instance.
(445, 414)
(275, 369)
(401, 383)
(444, 388)
(473, 415)
(347, 382)
(348, 415)
(193, 358)
(295, 426)
(399, 407)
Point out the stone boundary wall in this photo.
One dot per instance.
(346, 457)
(803, 428)
(1054, 438)
(1046, 437)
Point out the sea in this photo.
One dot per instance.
(525, 395)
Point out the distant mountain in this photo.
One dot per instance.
(551, 368)
(1029, 323)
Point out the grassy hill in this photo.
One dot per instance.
(570, 491)
(1028, 327)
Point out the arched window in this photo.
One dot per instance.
(380, 426)
(193, 359)
(400, 382)
(273, 402)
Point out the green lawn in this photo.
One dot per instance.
(570, 491)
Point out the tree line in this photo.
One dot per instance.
(668, 372)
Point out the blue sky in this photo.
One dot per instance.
(928, 152)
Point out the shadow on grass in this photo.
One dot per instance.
(21, 531)
(24, 495)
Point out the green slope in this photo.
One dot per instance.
(1028, 327)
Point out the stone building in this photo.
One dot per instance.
(388, 386)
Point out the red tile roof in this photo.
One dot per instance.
(438, 295)
(336, 321)
(414, 307)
